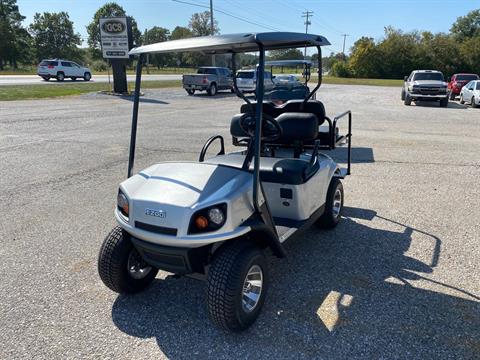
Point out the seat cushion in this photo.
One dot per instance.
(283, 171)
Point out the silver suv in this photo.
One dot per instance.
(61, 69)
(425, 85)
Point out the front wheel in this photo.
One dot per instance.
(121, 267)
(46, 78)
(190, 91)
(403, 95)
(333, 206)
(461, 99)
(212, 90)
(87, 76)
(473, 103)
(408, 100)
(237, 285)
(444, 102)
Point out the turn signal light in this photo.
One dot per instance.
(201, 222)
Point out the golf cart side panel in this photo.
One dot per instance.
(164, 197)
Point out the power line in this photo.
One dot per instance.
(306, 14)
(228, 14)
(344, 39)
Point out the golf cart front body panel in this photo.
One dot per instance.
(164, 197)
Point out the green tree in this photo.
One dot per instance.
(54, 36)
(467, 26)
(15, 42)
(154, 35)
(200, 24)
(180, 32)
(365, 61)
(110, 9)
(285, 54)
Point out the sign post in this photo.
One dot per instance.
(116, 40)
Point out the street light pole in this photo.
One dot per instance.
(212, 28)
(306, 14)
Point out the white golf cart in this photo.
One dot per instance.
(216, 217)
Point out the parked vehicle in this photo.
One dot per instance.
(425, 85)
(247, 81)
(457, 82)
(209, 79)
(216, 217)
(286, 80)
(60, 69)
(470, 94)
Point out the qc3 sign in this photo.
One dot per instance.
(113, 27)
(114, 37)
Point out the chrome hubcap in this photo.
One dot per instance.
(137, 268)
(252, 288)
(337, 203)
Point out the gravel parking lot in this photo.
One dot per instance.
(398, 278)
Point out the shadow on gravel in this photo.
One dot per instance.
(451, 105)
(339, 294)
(144, 100)
(360, 155)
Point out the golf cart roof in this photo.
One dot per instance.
(288, 62)
(234, 43)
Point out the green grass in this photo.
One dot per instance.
(151, 70)
(352, 81)
(40, 91)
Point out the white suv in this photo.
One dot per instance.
(61, 69)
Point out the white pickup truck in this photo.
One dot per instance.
(209, 79)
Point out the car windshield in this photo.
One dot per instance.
(466, 77)
(206, 71)
(428, 76)
(245, 75)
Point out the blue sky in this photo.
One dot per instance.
(331, 18)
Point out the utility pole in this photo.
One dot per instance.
(212, 27)
(306, 14)
(343, 51)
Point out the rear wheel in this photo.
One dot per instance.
(74, 78)
(333, 206)
(87, 76)
(408, 100)
(212, 90)
(474, 105)
(60, 76)
(121, 267)
(190, 91)
(444, 102)
(237, 285)
(46, 78)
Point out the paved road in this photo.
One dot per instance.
(398, 278)
(34, 79)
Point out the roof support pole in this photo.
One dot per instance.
(319, 49)
(136, 100)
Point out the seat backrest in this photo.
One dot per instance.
(296, 105)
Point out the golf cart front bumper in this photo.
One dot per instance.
(187, 241)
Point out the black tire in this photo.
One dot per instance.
(113, 261)
(46, 78)
(87, 76)
(74, 78)
(451, 96)
(332, 216)
(225, 285)
(408, 100)
(444, 102)
(190, 91)
(60, 76)
(403, 95)
(461, 99)
(232, 90)
(212, 90)
(473, 102)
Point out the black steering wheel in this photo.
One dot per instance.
(271, 129)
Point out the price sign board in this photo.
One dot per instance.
(115, 37)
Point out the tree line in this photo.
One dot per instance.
(398, 53)
(52, 35)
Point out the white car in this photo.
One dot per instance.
(247, 80)
(470, 93)
(61, 69)
(287, 80)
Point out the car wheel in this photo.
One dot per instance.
(87, 76)
(403, 94)
(46, 78)
(444, 102)
(121, 267)
(474, 105)
(461, 99)
(212, 90)
(60, 76)
(190, 91)
(237, 285)
(333, 206)
(232, 90)
(408, 100)
(74, 79)
(452, 95)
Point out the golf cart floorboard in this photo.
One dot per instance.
(287, 227)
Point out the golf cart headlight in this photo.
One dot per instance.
(122, 204)
(208, 219)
